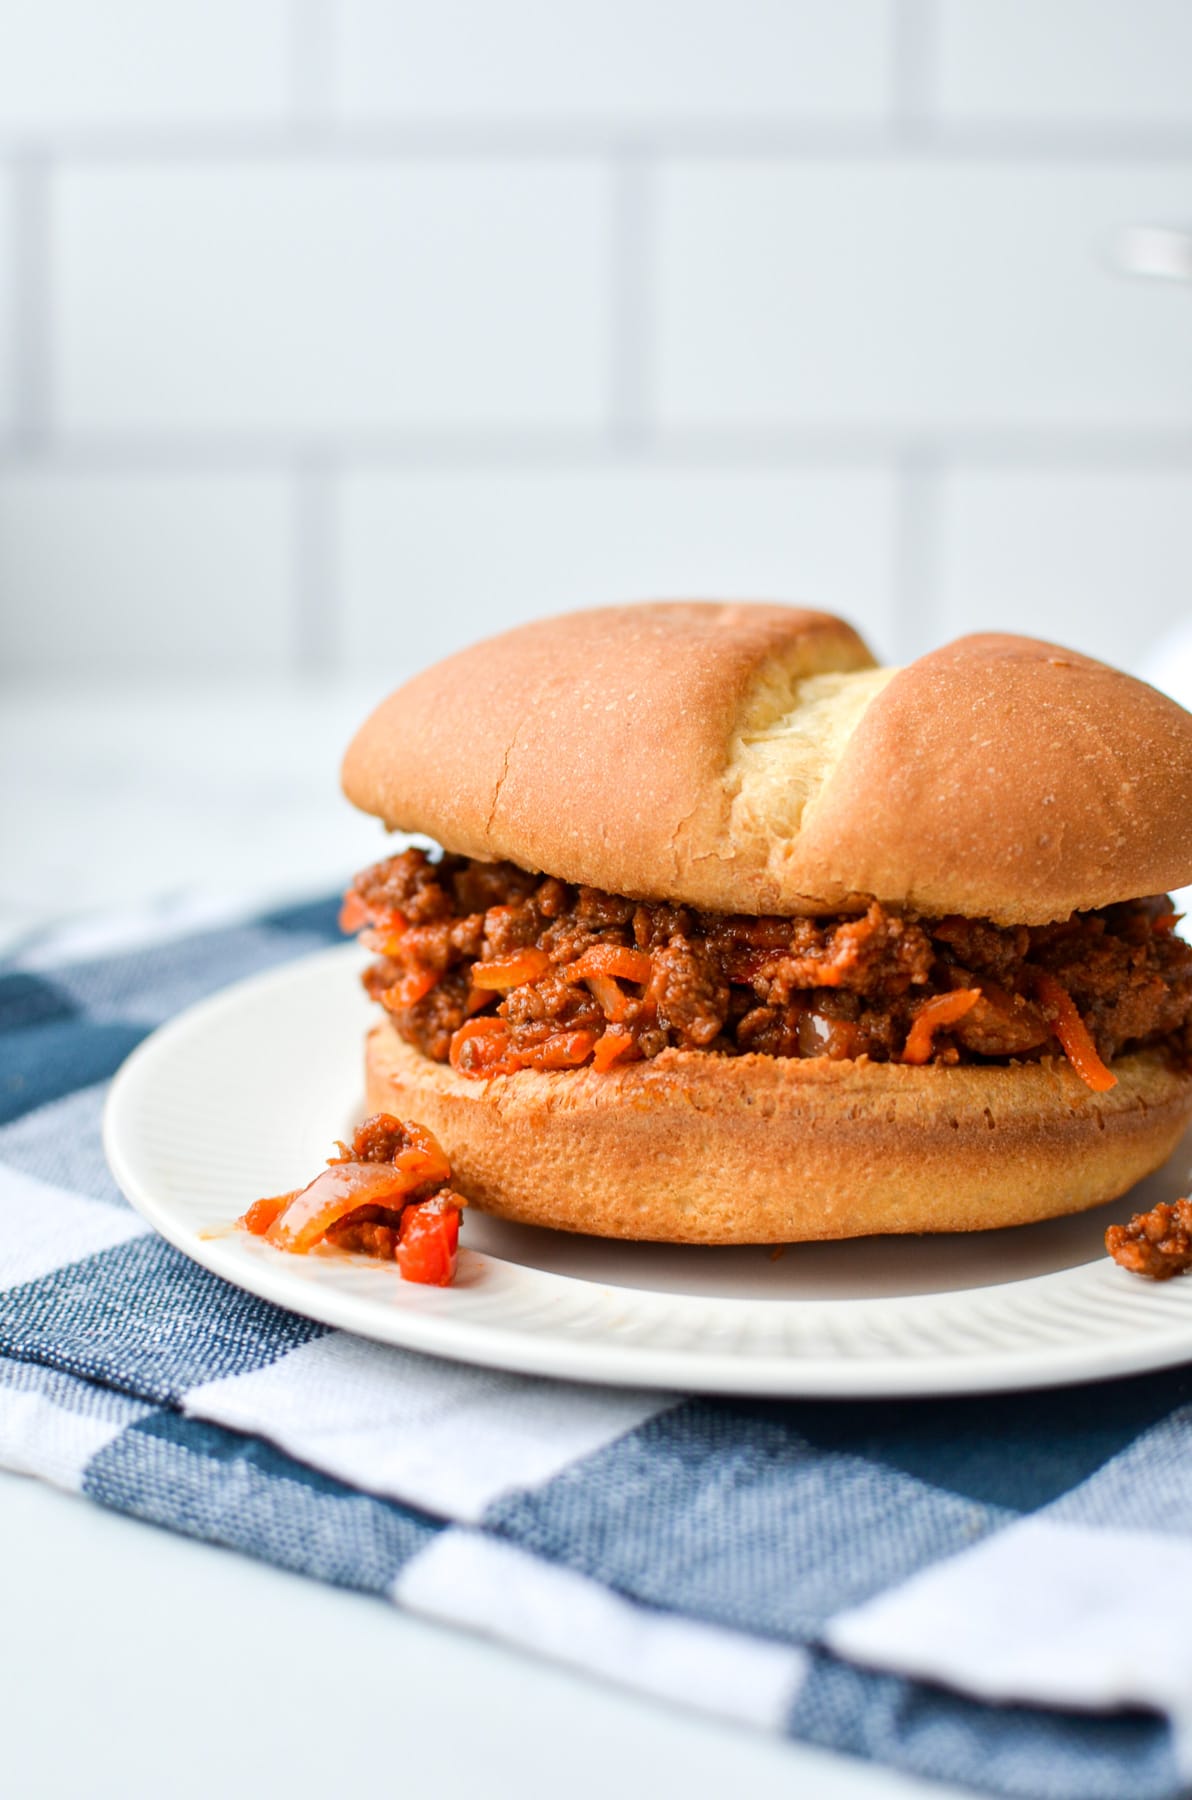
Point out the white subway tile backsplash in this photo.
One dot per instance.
(10, 274)
(312, 295)
(1100, 560)
(338, 293)
(653, 62)
(915, 294)
(1065, 62)
(432, 561)
(120, 573)
(76, 64)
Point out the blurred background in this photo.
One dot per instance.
(335, 333)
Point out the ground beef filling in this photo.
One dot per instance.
(494, 969)
(1157, 1244)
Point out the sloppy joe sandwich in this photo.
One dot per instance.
(735, 937)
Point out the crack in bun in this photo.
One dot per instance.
(753, 758)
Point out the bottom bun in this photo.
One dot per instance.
(695, 1148)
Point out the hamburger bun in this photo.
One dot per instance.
(753, 758)
(695, 1148)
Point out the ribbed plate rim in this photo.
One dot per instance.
(930, 1344)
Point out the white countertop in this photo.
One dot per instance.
(137, 1665)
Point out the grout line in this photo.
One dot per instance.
(917, 597)
(30, 341)
(631, 349)
(745, 138)
(1060, 447)
(315, 638)
(247, 452)
(913, 71)
(312, 63)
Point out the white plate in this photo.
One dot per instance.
(243, 1095)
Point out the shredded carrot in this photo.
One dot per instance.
(932, 1016)
(562, 1050)
(511, 971)
(264, 1213)
(353, 914)
(1075, 1038)
(481, 1047)
(614, 960)
(411, 988)
(611, 1048)
(356, 913)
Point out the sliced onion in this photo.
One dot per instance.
(337, 1192)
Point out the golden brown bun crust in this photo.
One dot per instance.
(1008, 779)
(751, 758)
(697, 1148)
(591, 746)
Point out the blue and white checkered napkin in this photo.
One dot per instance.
(995, 1592)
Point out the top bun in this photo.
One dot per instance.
(752, 758)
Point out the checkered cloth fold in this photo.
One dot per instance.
(994, 1591)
